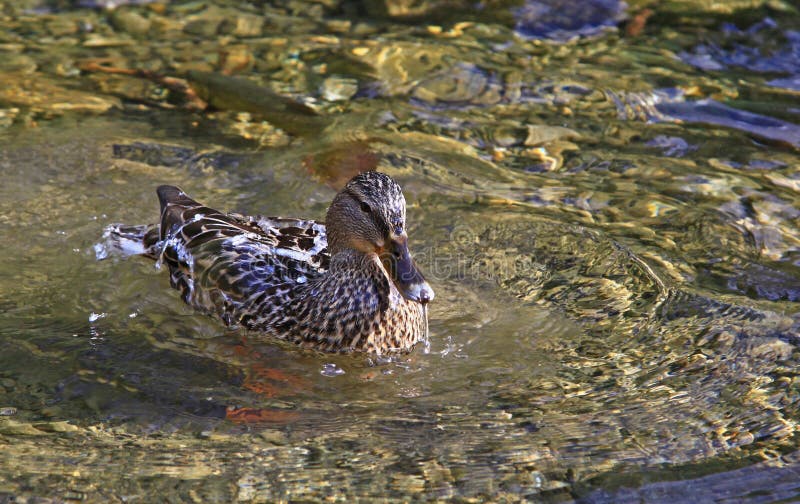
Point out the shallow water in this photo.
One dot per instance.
(610, 219)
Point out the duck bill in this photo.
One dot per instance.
(404, 272)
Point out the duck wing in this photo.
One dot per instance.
(222, 262)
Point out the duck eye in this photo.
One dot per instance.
(365, 207)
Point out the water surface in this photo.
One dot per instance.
(608, 210)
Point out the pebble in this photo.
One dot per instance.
(202, 27)
(213, 436)
(101, 41)
(274, 437)
(17, 63)
(539, 134)
(337, 88)
(7, 117)
(130, 22)
(62, 426)
(243, 26)
(11, 428)
(235, 59)
(338, 25)
(62, 27)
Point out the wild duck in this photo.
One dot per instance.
(347, 285)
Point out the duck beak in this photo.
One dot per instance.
(404, 272)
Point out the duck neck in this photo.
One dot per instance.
(362, 276)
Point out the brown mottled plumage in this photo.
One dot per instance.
(348, 285)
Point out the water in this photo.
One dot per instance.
(609, 222)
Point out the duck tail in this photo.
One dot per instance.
(123, 240)
(172, 195)
(174, 203)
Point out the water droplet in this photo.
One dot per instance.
(329, 369)
(100, 251)
(427, 343)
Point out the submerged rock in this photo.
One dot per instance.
(337, 88)
(671, 105)
(763, 47)
(130, 21)
(564, 20)
(44, 96)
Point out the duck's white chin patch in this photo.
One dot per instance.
(420, 292)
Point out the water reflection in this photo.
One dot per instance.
(612, 235)
(564, 21)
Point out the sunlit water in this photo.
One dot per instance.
(616, 303)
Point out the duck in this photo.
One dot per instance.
(346, 285)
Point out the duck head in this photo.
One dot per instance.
(369, 215)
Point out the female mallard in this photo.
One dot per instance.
(346, 285)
